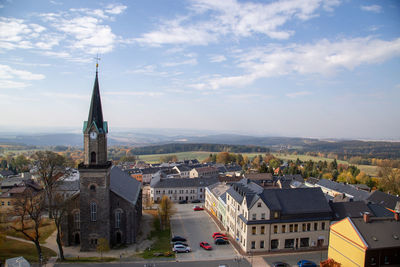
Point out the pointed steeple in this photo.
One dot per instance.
(95, 112)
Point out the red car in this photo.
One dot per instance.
(217, 233)
(196, 208)
(205, 245)
(220, 237)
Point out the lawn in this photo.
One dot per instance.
(45, 230)
(13, 248)
(161, 245)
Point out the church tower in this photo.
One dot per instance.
(94, 178)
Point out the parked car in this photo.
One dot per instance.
(217, 233)
(183, 201)
(180, 243)
(220, 241)
(306, 263)
(181, 248)
(178, 238)
(196, 201)
(205, 245)
(280, 264)
(220, 237)
(197, 208)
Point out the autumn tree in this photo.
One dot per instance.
(102, 246)
(169, 158)
(59, 213)
(223, 157)
(28, 209)
(389, 180)
(165, 210)
(346, 177)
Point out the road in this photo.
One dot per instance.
(292, 259)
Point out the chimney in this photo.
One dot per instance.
(366, 217)
(396, 216)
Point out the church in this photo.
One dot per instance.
(109, 202)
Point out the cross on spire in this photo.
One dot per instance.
(97, 62)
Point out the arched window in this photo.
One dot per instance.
(77, 220)
(93, 188)
(93, 157)
(117, 218)
(93, 211)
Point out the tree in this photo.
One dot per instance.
(22, 163)
(102, 246)
(59, 212)
(389, 180)
(223, 157)
(362, 178)
(28, 208)
(165, 210)
(346, 177)
(169, 158)
(50, 167)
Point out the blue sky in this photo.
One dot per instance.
(307, 68)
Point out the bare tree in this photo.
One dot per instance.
(28, 208)
(59, 213)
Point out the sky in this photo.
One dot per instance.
(304, 68)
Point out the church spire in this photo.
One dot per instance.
(95, 112)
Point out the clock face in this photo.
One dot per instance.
(93, 135)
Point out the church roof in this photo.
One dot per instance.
(124, 186)
(95, 112)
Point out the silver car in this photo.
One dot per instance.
(181, 248)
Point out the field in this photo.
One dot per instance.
(13, 248)
(45, 230)
(201, 155)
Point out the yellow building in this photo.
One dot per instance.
(367, 241)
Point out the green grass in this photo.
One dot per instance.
(13, 248)
(45, 230)
(155, 158)
(161, 242)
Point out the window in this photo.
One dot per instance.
(93, 188)
(304, 227)
(289, 243)
(315, 226)
(253, 230)
(261, 244)
(201, 189)
(296, 227)
(276, 215)
(93, 212)
(77, 220)
(9, 203)
(283, 228)
(262, 216)
(253, 244)
(323, 226)
(254, 216)
(291, 228)
(259, 204)
(2, 203)
(308, 226)
(262, 230)
(274, 243)
(117, 218)
(93, 157)
(275, 229)
(304, 242)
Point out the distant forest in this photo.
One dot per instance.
(175, 148)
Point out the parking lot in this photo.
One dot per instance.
(197, 226)
(292, 259)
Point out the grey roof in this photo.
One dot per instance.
(312, 180)
(223, 197)
(12, 181)
(379, 211)
(6, 173)
(353, 209)
(245, 188)
(68, 185)
(149, 170)
(344, 188)
(258, 176)
(95, 112)
(124, 186)
(17, 262)
(290, 177)
(386, 200)
(184, 182)
(296, 201)
(183, 168)
(218, 189)
(379, 232)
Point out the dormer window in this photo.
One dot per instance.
(276, 215)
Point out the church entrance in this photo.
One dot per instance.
(77, 239)
(119, 238)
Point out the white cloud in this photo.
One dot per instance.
(115, 9)
(217, 58)
(234, 18)
(297, 94)
(11, 78)
(372, 8)
(192, 61)
(137, 93)
(322, 58)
